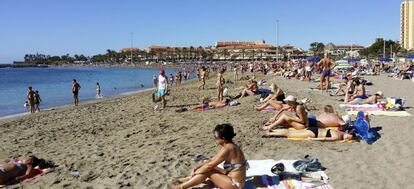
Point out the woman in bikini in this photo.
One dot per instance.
(300, 121)
(233, 174)
(311, 133)
(11, 173)
(275, 99)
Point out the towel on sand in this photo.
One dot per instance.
(362, 107)
(259, 176)
(383, 113)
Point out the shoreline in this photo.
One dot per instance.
(86, 101)
(123, 141)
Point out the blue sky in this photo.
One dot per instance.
(91, 26)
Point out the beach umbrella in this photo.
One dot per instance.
(383, 59)
(313, 59)
(353, 59)
(410, 56)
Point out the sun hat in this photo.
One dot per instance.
(290, 98)
(379, 93)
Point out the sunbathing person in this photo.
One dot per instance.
(233, 175)
(329, 118)
(11, 173)
(299, 121)
(311, 133)
(251, 89)
(207, 104)
(373, 99)
(275, 99)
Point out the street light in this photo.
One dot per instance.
(277, 40)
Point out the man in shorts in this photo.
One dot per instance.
(327, 66)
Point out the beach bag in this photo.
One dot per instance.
(363, 130)
(308, 164)
(395, 104)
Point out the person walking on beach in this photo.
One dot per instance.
(202, 78)
(37, 101)
(31, 98)
(162, 88)
(327, 65)
(98, 90)
(75, 90)
(219, 84)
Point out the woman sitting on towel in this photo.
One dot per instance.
(312, 133)
(275, 100)
(281, 119)
(207, 104)
(329, 118)
(11, 173)
(233, 173)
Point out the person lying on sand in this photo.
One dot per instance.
(281, 119)
(11, 173)
(251, 89)
(207, 104)
(275, 99)
(329, 118)
(311, 133)
(373, 99)
(233, 174)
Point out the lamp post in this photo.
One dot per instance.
(132, 46)
(277, 40)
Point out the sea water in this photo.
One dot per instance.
(55, 84)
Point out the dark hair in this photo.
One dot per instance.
(225, 131)
(41, 163)
(74, 80)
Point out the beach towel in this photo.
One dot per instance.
(259, 176)
(361, 107)
(383, 113)
(269, 108)
(331, 90)
(304, 139)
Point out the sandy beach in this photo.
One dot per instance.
(121, 142)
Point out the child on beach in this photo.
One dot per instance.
(219, 84)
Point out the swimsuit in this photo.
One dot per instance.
(230, 167)
(314, 131)
(281, 98)
(328, 133)
(326, 73)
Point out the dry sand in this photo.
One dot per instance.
(122, 142)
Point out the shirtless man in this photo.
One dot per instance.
(327, 65)
(219, 84)
(31, 99)
(75, 90)
(202, 78)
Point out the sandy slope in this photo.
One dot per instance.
(123, 143)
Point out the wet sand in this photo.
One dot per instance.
(122, 142)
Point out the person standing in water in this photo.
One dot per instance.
(75, 90)
(31, 99)
(98, 90)
(37, 101)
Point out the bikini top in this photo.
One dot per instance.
(230, 167)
